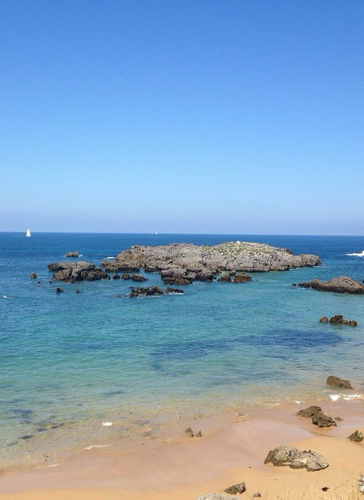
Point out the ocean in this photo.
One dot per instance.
(94, 368)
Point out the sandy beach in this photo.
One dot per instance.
(196, 466)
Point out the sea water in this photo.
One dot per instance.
(91, 369)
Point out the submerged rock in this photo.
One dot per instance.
(173, 290)
(236, 489)
(338, 382)
(342, 284)
(296, 459)
(33, 276)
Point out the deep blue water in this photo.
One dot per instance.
(72, 361)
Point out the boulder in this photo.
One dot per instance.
(338, 319)
(242, 278)
(144, 292)
(116, 276)
(33, 276)
(59, 290)
(72, 254)
(324, 319)
(126, 276)
(342, 284)
(356, 436)
(318, 417)
(338, 382)
(296, 459)
(236, 489)
(138, 278)
(225, 278)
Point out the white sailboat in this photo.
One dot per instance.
(27, 234)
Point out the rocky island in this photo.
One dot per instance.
(182, 263)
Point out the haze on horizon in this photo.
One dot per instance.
(198, 116)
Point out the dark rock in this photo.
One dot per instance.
(199, 434)
(309, 412)
(294, 285)
(339, 320)
(322, 420)
(72, 254)
(225, 278)
(33, 276)
(116, 276)
(138, 277)
(59, 290)
(143, 292)
(176, 280)
(77, 271)
(242, 278)
(189, 432)
(151, 269)
(257, 495)
(54, 266)
(338, 382)
(324, 319)
(78, 291)
(126, 276)
(236, 489)
(325, 488)
(173, 290)
(356, 436)
(295, 459)
(317, 416)
(342, 284)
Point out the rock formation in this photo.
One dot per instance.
(356, 436)
(72, 254)
(342, 284)
(182, 263)
(236, 489)
(77, 271)
(144, 291)
(296, 459)
(318, 417)
(338, 382)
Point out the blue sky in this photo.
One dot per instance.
(196, 116)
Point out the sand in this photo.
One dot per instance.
(196, 466)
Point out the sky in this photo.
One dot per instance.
(182, 116)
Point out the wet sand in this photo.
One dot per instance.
(196, 466)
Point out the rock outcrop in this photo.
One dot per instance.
(77, 271)
(296, 459)
(182, 263)
(145, 291)
(342, 284)
(356, 436)
(338, 382)
(72, 254)
(236, 489)
(318, 417)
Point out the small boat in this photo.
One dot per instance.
(27, 234)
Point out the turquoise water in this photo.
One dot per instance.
(71, 362)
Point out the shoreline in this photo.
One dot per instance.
(196, 466)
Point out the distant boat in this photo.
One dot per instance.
(27, 234)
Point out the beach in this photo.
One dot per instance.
(193, 467)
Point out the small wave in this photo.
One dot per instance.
(6, 297)
(97, 446)
(107, 424)
(361, 254)
(110, 258)
(346, 397)
(52, 465)
(335, 397)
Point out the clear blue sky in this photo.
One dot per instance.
(229, 116)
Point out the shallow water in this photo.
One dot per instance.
(71, 362)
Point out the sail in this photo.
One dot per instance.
(28, 233)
